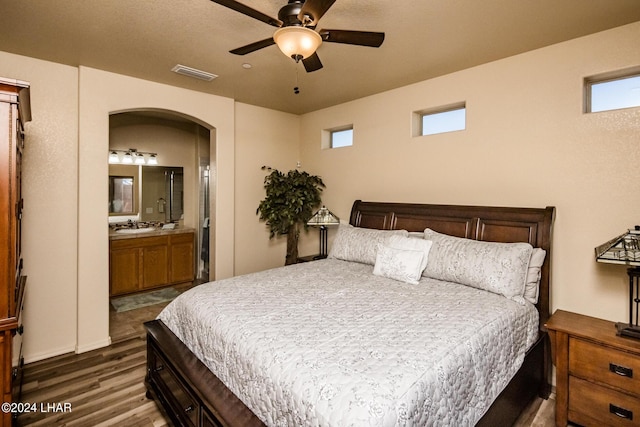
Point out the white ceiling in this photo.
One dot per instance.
(424, 39)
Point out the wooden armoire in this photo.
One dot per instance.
(14, 112)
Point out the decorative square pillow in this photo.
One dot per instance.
(496, 267)
(532, 287)
(404, 265)
(360, 244)
(411, 243)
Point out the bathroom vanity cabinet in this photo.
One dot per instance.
(14, 112)
(160, 258)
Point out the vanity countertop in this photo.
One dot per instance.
(114, 235)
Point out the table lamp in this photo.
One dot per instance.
(323, 219)
(625, 249)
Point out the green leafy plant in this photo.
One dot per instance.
(290, 201)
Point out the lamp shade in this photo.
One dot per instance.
(623, 249)
(323, 217)
(297, 42)
(127, 159)
(139, 159)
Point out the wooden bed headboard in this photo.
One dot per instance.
(493, 224)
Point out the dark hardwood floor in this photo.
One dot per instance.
(105, 387)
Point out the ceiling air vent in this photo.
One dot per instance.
(192, 72)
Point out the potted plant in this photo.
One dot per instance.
(290, 201)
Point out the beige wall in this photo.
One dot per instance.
(102, 93)
(65, 240)
(263, 137)
(527, 143)
(50, 215)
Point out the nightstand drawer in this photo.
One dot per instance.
(604, 365)
(590, 404)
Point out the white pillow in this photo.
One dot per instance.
(404, 265)
(532, 287)
(496, 267)
(411, 243)
(360, 244)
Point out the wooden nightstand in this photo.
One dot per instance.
(597, 372)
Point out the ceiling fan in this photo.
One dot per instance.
(296, 35)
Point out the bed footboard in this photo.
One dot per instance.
(187, 392)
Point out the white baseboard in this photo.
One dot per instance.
(53, 353)
(94, 345)
(64, 350)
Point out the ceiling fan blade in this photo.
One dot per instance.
(253, 46)
(361, 38)
(312, 63)
(312, 11)
(246, 10)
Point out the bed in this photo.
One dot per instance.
(330, 343)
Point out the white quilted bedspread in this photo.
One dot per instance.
(327, 343)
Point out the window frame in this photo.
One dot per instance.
(328, 134)
(418, 118)
(590, 81)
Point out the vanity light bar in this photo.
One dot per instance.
(132, 156)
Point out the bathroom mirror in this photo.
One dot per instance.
(154, 193)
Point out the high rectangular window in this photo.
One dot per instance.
(445, 121)
(440, 120)
(604, 94)
(341, 138)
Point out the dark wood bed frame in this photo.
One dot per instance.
(190, 394)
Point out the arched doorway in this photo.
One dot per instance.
(177, 187)
(100, 95)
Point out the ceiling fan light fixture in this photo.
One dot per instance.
(297, 42)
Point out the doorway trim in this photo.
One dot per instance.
(102, 93)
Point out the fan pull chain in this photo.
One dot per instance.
(296, 89)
